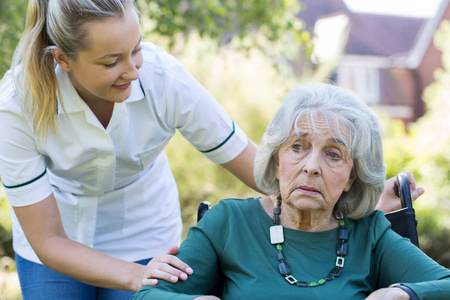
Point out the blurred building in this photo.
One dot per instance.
(387, 60)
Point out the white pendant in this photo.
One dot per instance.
(276, 234)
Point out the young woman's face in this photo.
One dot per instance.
(105, 70)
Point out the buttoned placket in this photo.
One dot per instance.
(106, 158)
(87, 206)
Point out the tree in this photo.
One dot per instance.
(268, 24)
(12, 21)
(224, 20)
(12, 16)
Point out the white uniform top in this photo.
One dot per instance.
(114, 187)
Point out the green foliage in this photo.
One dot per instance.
(12, 22)
(5, 226)
(267, 24)
(397, 154)
(422, 151)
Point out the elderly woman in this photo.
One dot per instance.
(317, 236)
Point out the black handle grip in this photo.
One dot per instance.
(203, 207)
(402, 190)
(403, 221)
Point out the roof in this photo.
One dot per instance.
(382, 35)
(370, 34)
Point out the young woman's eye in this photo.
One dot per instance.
(112, 64)
(137, 50)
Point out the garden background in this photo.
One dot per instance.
(241, 52)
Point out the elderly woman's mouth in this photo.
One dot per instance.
(308, 190)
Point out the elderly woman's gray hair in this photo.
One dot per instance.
(342, 110)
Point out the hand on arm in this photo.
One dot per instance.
(166, 267)
(389, 201)
(43, 228)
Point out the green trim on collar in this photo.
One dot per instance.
(23, 184)
(221, 144)
(142, 88)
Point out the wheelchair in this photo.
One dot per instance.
(403, 221)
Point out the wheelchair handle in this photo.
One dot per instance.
(403, 221)
(203, 207)
(402, 189)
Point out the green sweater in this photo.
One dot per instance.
(234, 235)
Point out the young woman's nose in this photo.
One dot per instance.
(131, 72)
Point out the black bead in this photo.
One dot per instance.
(277, 210)
(335, 272)
(343, 233)
(342, 251)
(284, 268)
(276, 219)
(280, 256)
(302, 284)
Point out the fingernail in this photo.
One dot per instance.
(173, 278)
(189, 271)
(183, 276)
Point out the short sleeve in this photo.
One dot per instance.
(201, 119)
(22, 167)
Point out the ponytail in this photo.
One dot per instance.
(36, 78)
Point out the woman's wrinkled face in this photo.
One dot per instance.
(105, 70)
(313, 167)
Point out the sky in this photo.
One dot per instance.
(414, 8)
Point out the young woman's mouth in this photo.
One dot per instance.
(123, 86)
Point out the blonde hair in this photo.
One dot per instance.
(50, 24)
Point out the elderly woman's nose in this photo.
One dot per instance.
(312, 164)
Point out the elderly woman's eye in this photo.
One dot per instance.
(297, 147)
(334, 155)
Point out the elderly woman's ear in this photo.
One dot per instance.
(350, 181)
(349, 184)
(276, 162)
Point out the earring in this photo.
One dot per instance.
(68, 69)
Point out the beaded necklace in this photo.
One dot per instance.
(277, 238)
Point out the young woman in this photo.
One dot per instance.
(82, 143)
(86, 112)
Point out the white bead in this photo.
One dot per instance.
(276, 234)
